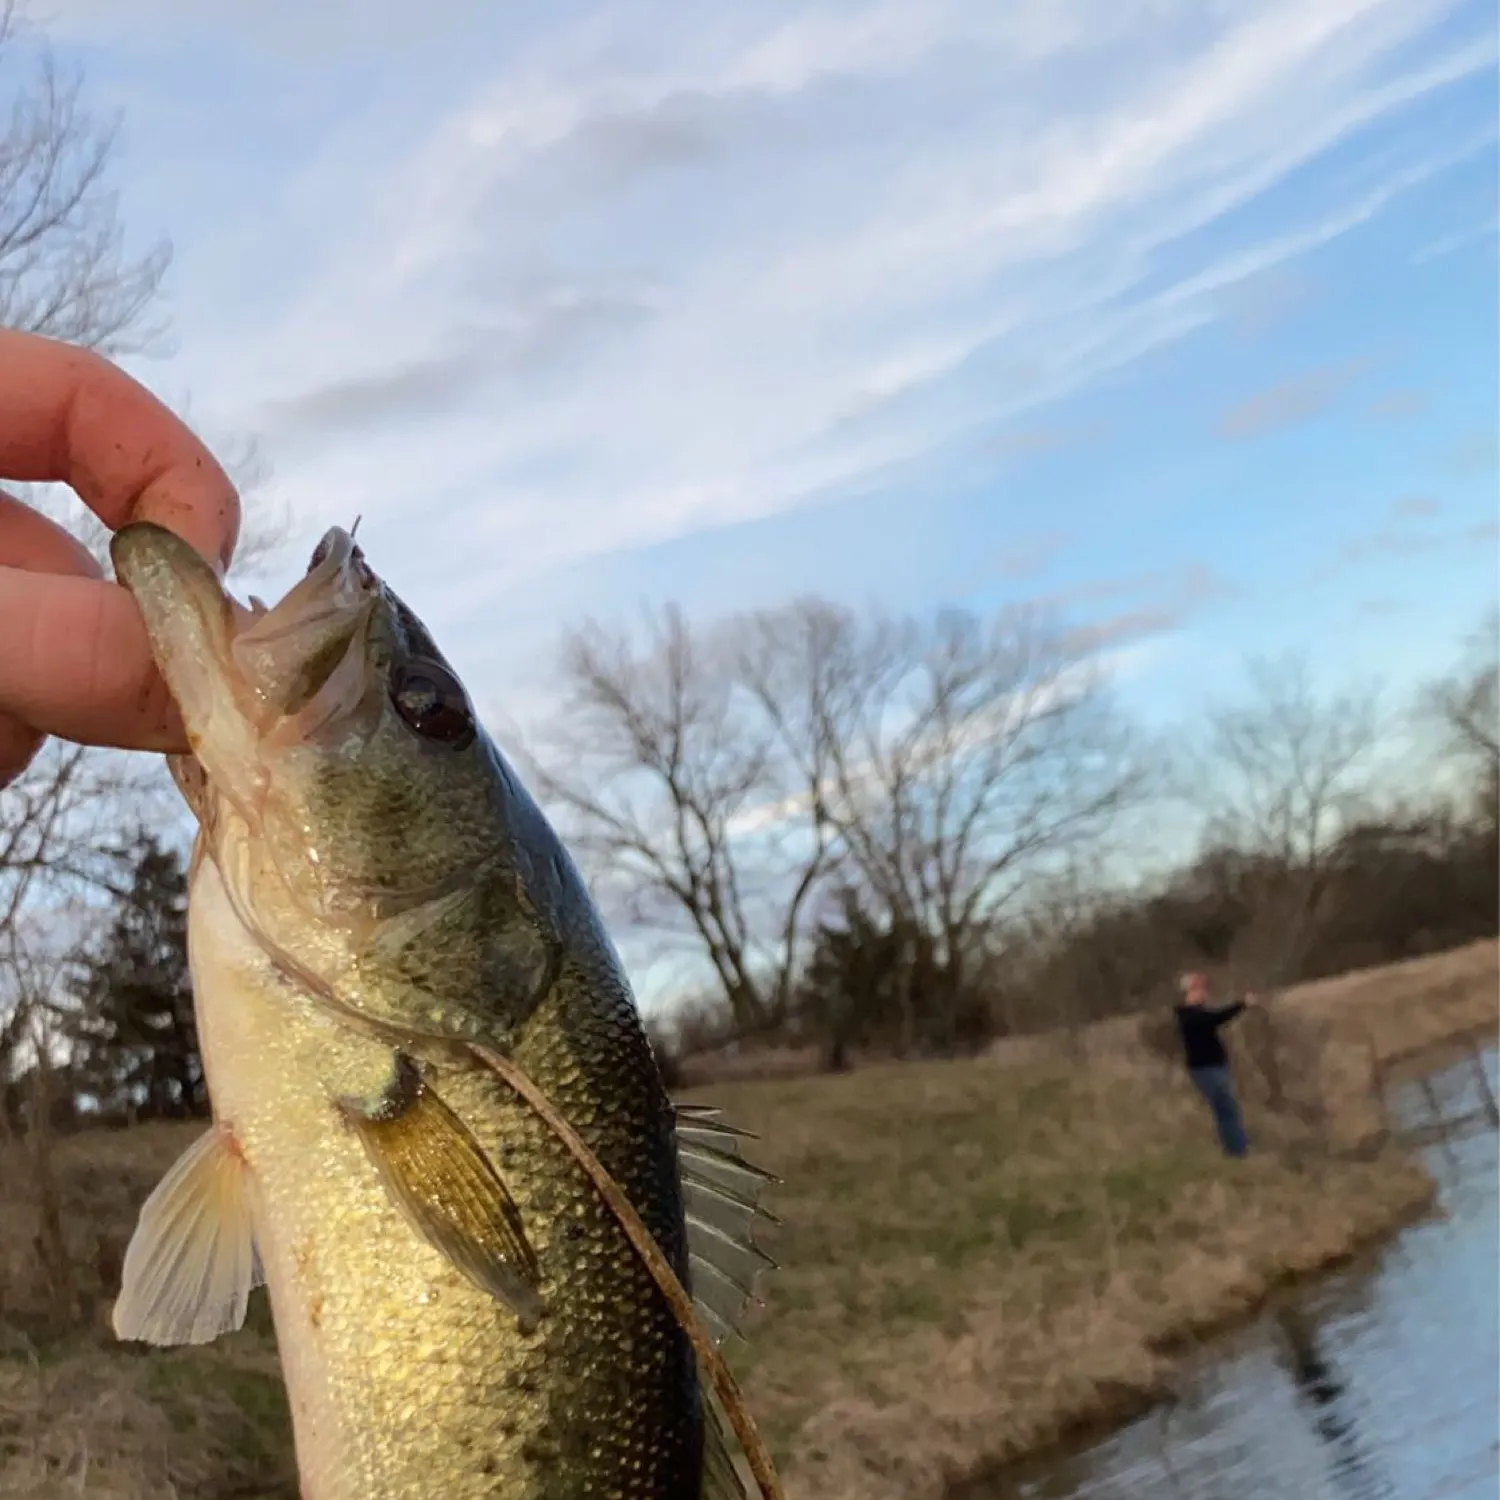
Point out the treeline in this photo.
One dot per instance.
(1396, 887)
(861, 836)
(910, 836)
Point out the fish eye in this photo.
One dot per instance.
(432, 702)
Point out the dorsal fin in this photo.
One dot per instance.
(721, 1194)
(721, 1199)
(726, 1475)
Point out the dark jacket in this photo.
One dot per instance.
(1198, 1025)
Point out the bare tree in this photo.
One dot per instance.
(968, 759)
(1060, 963)
(1283, 775)
(1465, 707)
(713, 781)
(58, 826)
(679, 801)
(63, 266)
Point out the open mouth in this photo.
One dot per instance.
(303, 658)
(281, 674)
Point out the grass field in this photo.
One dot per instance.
(977, 1256)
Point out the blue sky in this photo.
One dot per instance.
(1179, 315)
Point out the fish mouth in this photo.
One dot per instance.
(308, 658)
(248, 679)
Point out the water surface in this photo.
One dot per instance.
(1380, 1382)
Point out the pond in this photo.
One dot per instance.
(1379, 1382)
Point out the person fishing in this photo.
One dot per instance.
(1198, 1025)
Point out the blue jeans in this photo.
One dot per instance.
(1217, 1087)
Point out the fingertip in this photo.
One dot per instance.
(73, 417)
(78, 664)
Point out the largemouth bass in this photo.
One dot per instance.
(375, 903)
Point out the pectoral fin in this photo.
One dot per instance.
(449, 1191)
(191, 1264)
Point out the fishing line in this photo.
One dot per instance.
(725, 1385)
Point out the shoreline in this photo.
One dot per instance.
(1179, 1346)
(1308, 1208)
(947, 1427)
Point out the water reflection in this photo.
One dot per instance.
(1381, 1383)
(1333, 1410)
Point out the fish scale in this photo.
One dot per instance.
(459, 1313)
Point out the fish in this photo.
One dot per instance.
(385, 934)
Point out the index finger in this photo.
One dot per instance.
(68, 415)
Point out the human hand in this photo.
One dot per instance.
(74, 660)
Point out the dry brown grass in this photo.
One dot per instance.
(1395, 1009)
(112, 1423)
(1408, 1007)
(977, 1255)
(84, 1416)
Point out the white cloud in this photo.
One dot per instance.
(666, 268)
(1459, 239)
(280, 27)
